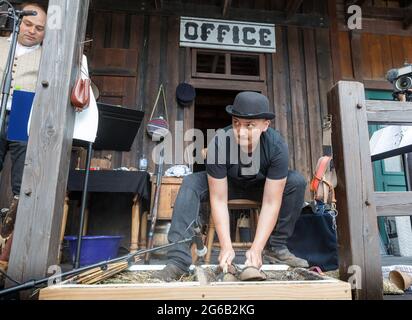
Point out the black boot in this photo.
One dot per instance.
(170, 273)
(282, 255)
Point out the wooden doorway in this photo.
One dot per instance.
(210, 113)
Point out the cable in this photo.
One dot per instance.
(129, 257)
(8, 277)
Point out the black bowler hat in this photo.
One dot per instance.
(250, 105)
(185, 94)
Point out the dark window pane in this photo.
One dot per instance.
(245, 65)
(210, 62)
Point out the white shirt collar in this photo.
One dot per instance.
(21, 49)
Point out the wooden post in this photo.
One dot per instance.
(86, 221)
(334, 40)
(135, 227)
(226, 6)
(143, 231)
(292, 7)
(39, 217)
(210, 239)
(359, 257)
(63, 227)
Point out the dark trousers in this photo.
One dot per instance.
(18, 154)
(195, 189)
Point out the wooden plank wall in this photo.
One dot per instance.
(132, 54)
(114, 63)
(375, 54)
(298, 92)
(297, 81)
(367, 54)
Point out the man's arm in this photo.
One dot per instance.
(218, 203)
(271, 202)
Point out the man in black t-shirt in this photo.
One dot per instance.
(247, 160)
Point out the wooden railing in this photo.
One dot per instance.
(357, 202)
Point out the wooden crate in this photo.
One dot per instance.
(168, 193)
(325, 289)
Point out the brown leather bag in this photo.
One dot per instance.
(80, 96)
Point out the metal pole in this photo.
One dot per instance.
(83, 206)
(7, 78)
(155, 208)
(405, 160)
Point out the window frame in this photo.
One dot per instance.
(227, 75)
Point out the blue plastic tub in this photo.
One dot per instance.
(94, 248)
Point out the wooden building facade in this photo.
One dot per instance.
(129, 66)
(135, 48)
(313, 52)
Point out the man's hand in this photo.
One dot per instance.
(271, 202)
(220, 214)
(226, 257)
(254, 258)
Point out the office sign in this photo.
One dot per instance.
(227, 35)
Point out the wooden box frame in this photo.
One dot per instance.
(326, 289)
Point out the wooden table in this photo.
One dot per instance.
(135, 182)
(168, 193)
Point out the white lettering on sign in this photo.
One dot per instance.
(228, 35)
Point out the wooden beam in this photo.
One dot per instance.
(359, 3)
(356, 51)
(403, 14)
(377, 84)
(385, 112)
(408, 20)
(228, 85)
(178, 8)
(226, 6)
(408, 16)
(358, 236)
(334, 41)
(393, 203)
(405, 3)
(158, 4)
(39, 217)
(264, 290)
(292, 7)
(374, 26)
(385, 13)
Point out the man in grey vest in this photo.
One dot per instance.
(24, 77)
